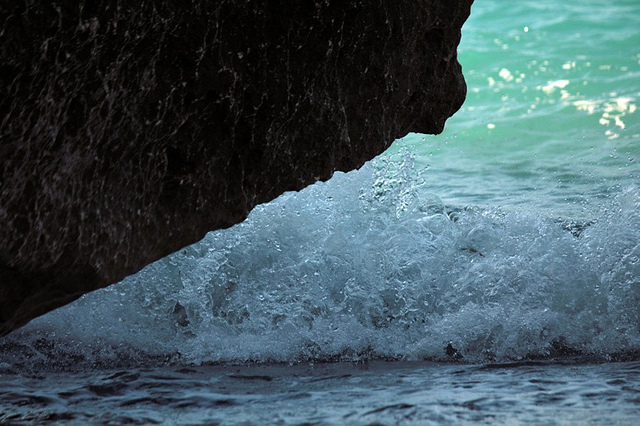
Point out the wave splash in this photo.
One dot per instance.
(367, 265)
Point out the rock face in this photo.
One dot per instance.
(130, 129)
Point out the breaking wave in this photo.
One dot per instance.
(367, 265)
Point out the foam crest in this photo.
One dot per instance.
(367, 265)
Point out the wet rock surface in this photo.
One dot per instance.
(130, 130)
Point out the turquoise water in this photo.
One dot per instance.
(550, 122)
(511, 239)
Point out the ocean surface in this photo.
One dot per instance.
(489, 275)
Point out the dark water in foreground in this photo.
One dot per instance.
(341, 393)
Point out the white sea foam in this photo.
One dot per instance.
(370, 264)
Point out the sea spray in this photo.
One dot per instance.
(368, 265)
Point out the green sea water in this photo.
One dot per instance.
(551, 120)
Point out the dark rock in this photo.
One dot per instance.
(452, 352)
(130, 129)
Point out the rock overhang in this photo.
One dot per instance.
(129, 131)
